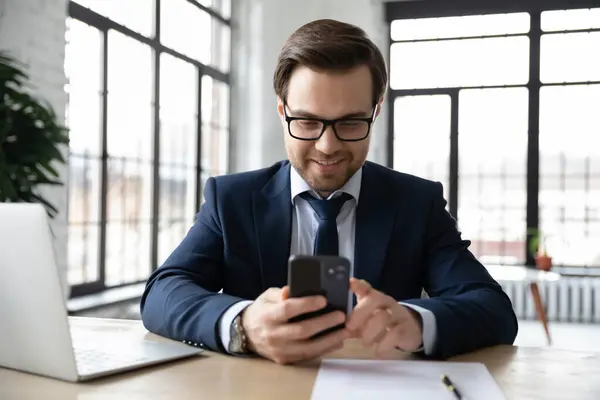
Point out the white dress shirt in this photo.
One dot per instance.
(304, 229)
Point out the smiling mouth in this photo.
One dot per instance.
(328, 162)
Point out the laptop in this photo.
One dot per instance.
(35, 335)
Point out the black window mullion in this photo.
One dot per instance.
(533, 147)
(439, 8)
(453, 192)
(156, 149)
(198, 173)
(210, 11)
(103, 164)
(391, 98)
(390, 136)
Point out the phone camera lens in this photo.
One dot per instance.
(339, 276)
(341, 268)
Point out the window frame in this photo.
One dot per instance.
(439, 8)
(104, 25)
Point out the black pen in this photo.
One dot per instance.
(451, 387)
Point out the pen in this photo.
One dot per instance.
(451, 387)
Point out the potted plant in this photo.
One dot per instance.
(30, 139)
(538, 250)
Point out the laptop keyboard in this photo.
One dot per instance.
(90, 361)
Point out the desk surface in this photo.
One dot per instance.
(503, 273)
(522, 373)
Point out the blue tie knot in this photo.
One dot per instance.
(326, 209)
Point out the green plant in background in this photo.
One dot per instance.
(30, 139)
(537, 245)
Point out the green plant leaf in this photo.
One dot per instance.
(31, 138)
(50, 169)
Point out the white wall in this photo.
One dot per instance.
(33, 31)
(259, 29)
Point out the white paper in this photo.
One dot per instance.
(386, 379)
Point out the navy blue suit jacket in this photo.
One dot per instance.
(405, 241)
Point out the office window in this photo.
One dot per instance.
(570, 173)
(179, 150)
(458, 27)
(481, 63)
(569, 124)
(137, 130)
(130, 160)
(220, 55)
(223, 7)
(192, 31)
(454, 52)
(570, 57)
(419, 122)
(570, 20)
(460, 63)
(492, 192)
(137, 15)
(84, 118)
(186, 29)
(215, 126)
(483, 173)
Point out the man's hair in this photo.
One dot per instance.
(329, 45)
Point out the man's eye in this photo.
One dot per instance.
(349, 124)
(309, 124)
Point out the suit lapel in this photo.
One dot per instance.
(375, 217)
(272, 208)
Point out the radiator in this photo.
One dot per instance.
(566, 300)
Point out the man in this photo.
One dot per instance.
(330, 81)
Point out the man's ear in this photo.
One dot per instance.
(379, 105)
(280, 108)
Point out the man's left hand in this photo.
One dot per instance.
(381, 322)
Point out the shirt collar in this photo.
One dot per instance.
(299, 186)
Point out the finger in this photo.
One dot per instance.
(310, 349)
(376, 327)
(367, 306)
(359, 287)
(285, 293)
(293, 307)
(394, 339)
(272, 295)
(306, 329)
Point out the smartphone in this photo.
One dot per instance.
(327, 276)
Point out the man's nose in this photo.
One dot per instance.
(328, 143)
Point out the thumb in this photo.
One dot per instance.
(285, 293)
(359, 287)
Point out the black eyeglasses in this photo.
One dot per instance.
(345, 129)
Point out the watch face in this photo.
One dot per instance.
(236, 342)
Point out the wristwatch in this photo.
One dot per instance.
(238, 342)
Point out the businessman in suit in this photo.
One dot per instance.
(223, 287)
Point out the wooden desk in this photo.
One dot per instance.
(522, 373)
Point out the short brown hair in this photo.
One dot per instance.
(327, 44)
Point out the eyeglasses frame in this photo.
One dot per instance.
(328, 122)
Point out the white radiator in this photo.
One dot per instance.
(567, 300)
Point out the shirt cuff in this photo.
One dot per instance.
(227, 320)
(429, 327)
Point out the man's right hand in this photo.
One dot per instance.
(271, 335)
